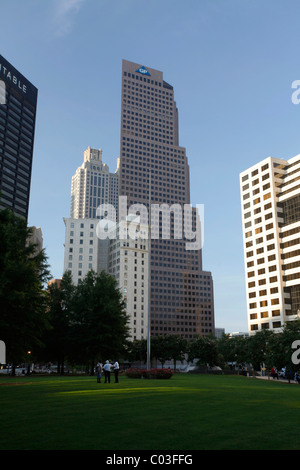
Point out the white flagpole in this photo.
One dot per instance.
(149, 275)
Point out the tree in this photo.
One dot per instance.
(203, 348)
(60, 305)
(99, 321)
(281, 350)
(23, 298)
(136, 350)
(258, 347)
(239, 346)
(177, 348)
(290, 333)
(159, 349)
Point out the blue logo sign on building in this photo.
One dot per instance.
(143, 71)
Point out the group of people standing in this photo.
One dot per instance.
(107, 369)
(285, 374)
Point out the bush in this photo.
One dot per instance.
(149, 374)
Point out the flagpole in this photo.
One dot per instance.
(149, 274)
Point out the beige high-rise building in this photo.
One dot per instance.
(181, 300)
(270, 198)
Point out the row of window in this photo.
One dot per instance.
(255, 172)
(266, 326)
(273, 313)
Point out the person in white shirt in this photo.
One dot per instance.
(116, 371)
(107, 369)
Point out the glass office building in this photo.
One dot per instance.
(18, 101)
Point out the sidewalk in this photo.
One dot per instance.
(265, 377)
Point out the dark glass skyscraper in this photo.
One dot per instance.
(181, 293)
(18, 101)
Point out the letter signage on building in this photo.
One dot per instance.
(12, 78)
(143, 71)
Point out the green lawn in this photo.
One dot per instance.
(187, 412)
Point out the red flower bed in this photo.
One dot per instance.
(133, 373)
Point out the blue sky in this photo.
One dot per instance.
(231, 62)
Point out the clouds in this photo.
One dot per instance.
(65, 14)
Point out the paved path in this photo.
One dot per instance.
(265, 377)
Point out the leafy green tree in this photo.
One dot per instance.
(177, 348)
(99, 322)
(280, 353)
(203, 348)
(159, 349)
(136, 350)
(60, 305)
(258, 348)
(225, 348)
(24, 272)
(240, 352)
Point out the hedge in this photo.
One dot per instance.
(133, 373)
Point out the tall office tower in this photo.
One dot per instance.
(181, 293)
(270, 198)
(18, 101)
(92, 186)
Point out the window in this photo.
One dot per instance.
(275, 313)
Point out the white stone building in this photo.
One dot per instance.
(83, 250)
(92, 186)
(270, 198)
(128, 263)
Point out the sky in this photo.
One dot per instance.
(231, 63)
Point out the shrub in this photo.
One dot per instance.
(133, 373)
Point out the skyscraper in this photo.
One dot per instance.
(18, 101)
(270, 199)
(92, 186)
(154, 168)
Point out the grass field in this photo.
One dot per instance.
(187, 412)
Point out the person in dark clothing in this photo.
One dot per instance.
(116, 371)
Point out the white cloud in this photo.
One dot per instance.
(65, 12)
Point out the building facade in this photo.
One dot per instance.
(18, 102)
(92, 186)
(270, 198)
(84, 251)
(154, 170)
(128, 263)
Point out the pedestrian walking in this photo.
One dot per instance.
(107, 369)
(116, 371)
(99, 370)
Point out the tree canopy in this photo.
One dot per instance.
(23, 299)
